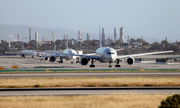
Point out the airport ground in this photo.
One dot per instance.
(131, 99)
(29, 63)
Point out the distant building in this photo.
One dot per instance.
(122, 34)
(44, 39)
(108, 42)
(115, 34)
(36, 36)
(80, 35)
(72, 42)
(30, 34)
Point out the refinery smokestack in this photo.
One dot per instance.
(30, 34)
(36, 36)
(18, 38)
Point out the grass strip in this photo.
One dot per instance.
(88, 101)
(90, 82)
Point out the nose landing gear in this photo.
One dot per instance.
(110, 64)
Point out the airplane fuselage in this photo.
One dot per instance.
(69, 51)
(107, 54)
(29, 52)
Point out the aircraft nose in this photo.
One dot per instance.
(112, 57)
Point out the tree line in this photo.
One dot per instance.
(94, 44)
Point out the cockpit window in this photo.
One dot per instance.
(110, 53)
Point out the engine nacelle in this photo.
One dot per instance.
(129, 60)
(23, 55)
(84, 61)
(52, 59)
(46, 58)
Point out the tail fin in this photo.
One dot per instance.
(100, 37)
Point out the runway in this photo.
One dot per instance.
(103, 74)
(88, 91)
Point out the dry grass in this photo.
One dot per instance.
(90, 82)
(90, 101)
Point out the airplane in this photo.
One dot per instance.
(66, 54)
(108, 54)
(28, 53)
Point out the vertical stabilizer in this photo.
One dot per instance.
(100, 38)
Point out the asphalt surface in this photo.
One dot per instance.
(30, 63)
(88, 91)
(104, 74)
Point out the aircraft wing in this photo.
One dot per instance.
(119, 49)
(90, 56)
(141, 54)
(88, 50)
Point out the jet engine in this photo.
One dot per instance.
(52, 59)
(129, 60)
(23, 55)
(46, 58)
(84, 61)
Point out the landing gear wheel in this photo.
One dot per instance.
(110, 64)
(72, 62)
(77, 61)
(60, 61)
(117, 65)
(92, 65)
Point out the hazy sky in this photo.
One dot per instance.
(153, 19)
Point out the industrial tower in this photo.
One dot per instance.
(115, 34)
(103, 36)
(122, 34)
(80, 35)
(30, 34)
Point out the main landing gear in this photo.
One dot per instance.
(92, 63)
(77, 60)
(117, 61)
(61, 61)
